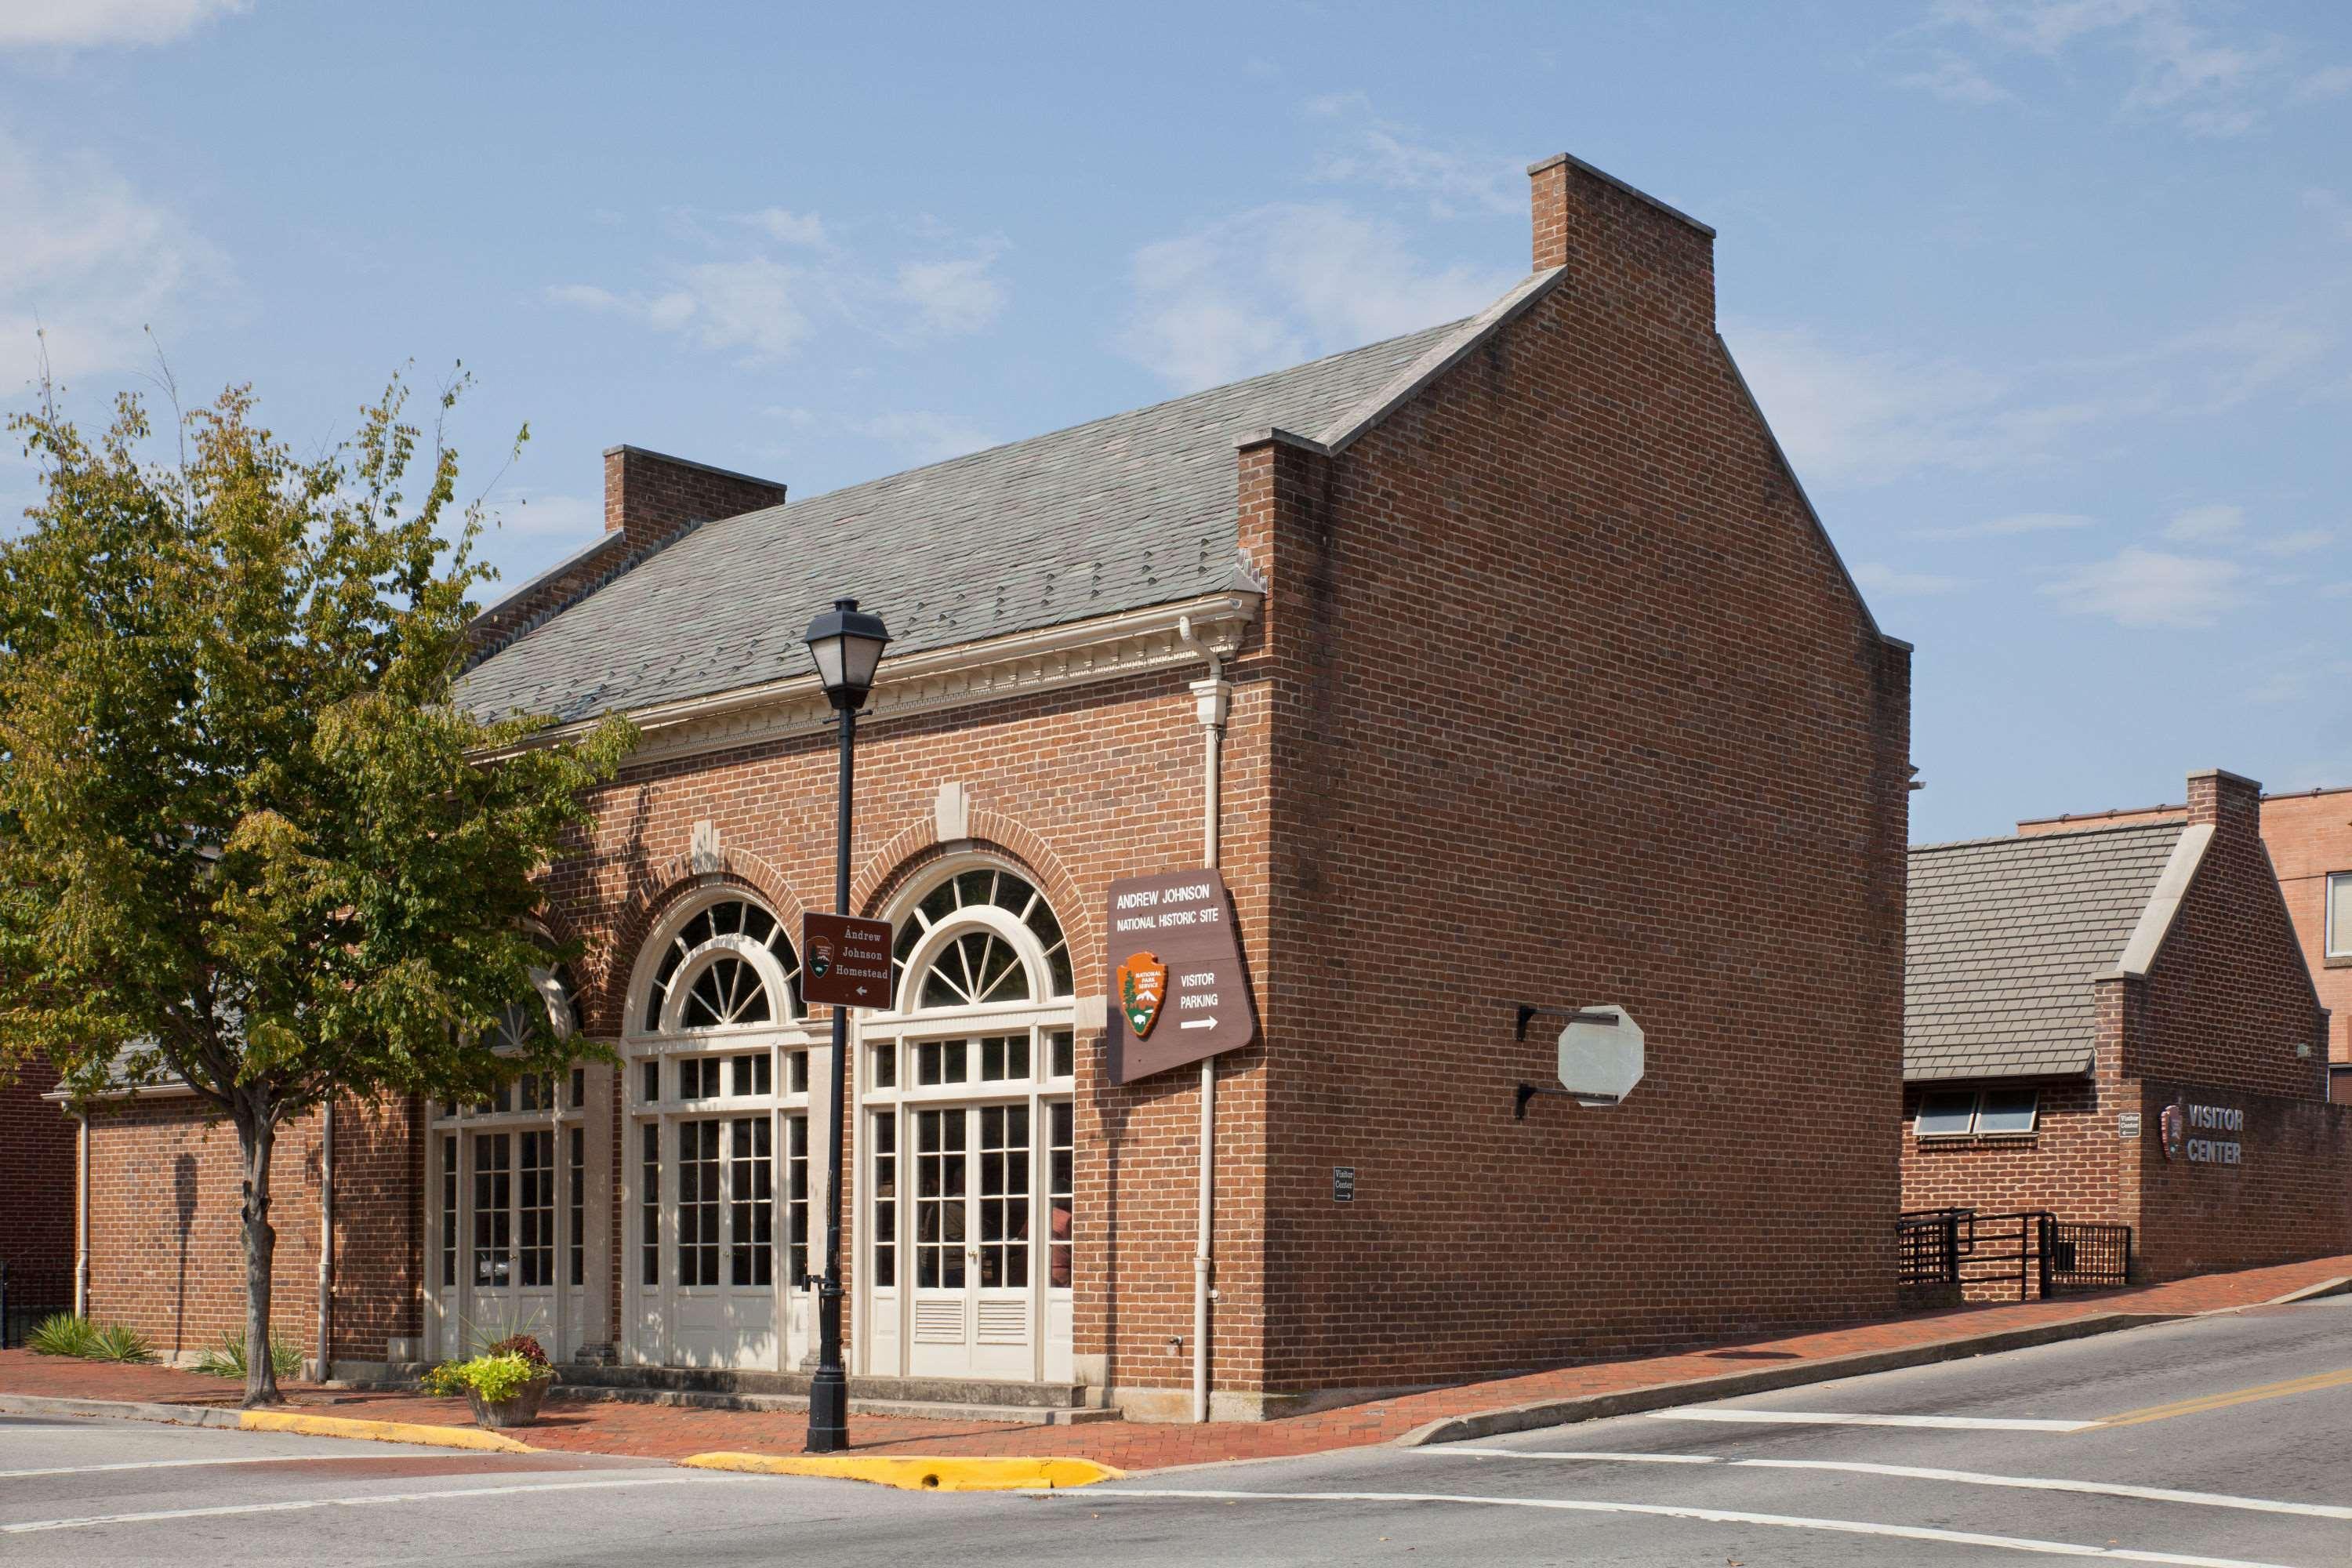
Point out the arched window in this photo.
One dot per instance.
(711, 967)
(983, 963)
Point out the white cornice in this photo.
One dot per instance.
(1045, 660)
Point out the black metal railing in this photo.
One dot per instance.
(1955, 1254)
(28, 1295)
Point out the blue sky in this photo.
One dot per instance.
(2048, 300)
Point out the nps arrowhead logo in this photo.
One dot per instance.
(1142, 985)
(820, 958)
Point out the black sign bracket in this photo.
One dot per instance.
(1527, 1012)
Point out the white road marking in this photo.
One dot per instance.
(1439, 1450)
(1928, 1473)
(295, 1505)
(1840, 1418)
(1711, 1516)
(172, 1465)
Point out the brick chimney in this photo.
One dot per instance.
(650, 499)
(2231, 802)
(1609, 234)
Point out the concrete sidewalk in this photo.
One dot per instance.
(1465, 1410)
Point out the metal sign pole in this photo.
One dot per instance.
(829, 1391)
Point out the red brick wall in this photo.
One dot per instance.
(167, 1253)
(2229, 998)
(2290, 1197)
(2308, 836)
(1079, 787)
(1574, 705)
(2073, 1163)
(36, 1173)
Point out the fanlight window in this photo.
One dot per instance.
(728, 990)
(554, 1015)
(981, 965)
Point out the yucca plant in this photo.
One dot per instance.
(227, 1359)
(64, 1334)
(120, 1342)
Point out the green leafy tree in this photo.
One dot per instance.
(249, 840)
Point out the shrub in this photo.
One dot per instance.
(65, 1333)
(523, 1345)
(227, 1359)
(120, 1342)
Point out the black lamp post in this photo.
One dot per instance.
(847, 644)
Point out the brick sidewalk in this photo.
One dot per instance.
(673, 1432)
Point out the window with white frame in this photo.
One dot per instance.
(1977, 1112)
(2339, 914)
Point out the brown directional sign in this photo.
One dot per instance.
(1178, 993)
(845, 961)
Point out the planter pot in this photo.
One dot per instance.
(520, 1410)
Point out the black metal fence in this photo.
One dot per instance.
(1950, 1254)
(28, 1295)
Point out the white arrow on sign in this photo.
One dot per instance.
(1198, 1024)
(1600, 1056)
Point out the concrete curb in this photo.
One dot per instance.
(918, 1474)
(2339, 1285)
(473, 1438)
(1545, 1412)
(119, 1409)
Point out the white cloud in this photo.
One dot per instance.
(79, 24)
(1874, 578)
(927, 437)
(2008, 527)
(1398, 158)
(1955, 81)
(2138, 587)
(952, 298)
(2303, 542)
(764, 309)
(2181, 70)
(786, 227)
(2203, 524)
(89, 264)
(1283, 283)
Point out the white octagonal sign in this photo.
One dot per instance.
(1600, 1056)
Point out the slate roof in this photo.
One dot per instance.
(2002, 939)
(1120, 514)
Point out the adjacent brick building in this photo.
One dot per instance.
(2115, 1024)
(37, 1174)
(1503, 661)
(2309, 837)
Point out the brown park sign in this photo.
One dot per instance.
(1177, 992)
(845, 961)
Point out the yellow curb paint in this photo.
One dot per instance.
(380, 1431)
(918, 1475)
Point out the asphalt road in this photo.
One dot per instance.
(2223, 1440)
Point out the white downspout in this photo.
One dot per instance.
(1213, 701)
(559, 1270)
(81, 1216)
(326, 1231)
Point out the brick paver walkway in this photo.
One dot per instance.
(672, 1432)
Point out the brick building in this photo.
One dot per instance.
(36, 1173)
(2115, 1024)
(1501, 661)
(2309, 837)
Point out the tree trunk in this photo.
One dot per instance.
(255, 1137)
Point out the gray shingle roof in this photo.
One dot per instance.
(1123, 513)
(2002, 939)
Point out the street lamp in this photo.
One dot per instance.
(847, 644)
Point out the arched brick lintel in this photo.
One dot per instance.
(603, 1006)
(906, 854)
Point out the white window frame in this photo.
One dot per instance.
(1976, 1114)
(2336, 945)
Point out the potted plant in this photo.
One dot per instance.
(504, 1384)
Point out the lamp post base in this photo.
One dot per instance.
(828, 1428)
